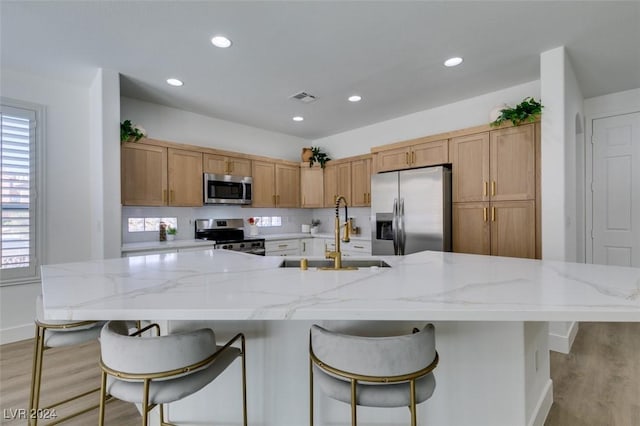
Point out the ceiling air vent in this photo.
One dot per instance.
(303, 97)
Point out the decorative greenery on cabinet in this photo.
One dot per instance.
(527, 110)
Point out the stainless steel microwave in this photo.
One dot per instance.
(227, 189)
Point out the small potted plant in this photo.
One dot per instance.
(527, 110)
(131, 132)
(253, 226)
(171, 233)
(315, 226)
(318, 156)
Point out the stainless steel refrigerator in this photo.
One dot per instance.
(411, 211)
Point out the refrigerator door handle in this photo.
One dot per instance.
(394, 226)
(402, 238)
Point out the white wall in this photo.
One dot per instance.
(459, 115)
(180, 126)
(67, 210)
(105, 165)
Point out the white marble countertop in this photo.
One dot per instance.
(223, 285)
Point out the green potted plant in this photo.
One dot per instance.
(318, 156)
(131, 132)
(171, 233)
(527, 110)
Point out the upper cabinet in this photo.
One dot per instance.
(226, 165)
(417, 153)
(143, 175)
(311, 186)
(361, 182)
(275, 184)
(153, 175)
(494, 166)
(185, 178)
(337, 181)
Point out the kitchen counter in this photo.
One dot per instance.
(214, 284)
(489, 314)
(164, 245)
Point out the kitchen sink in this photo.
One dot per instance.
(328, 263)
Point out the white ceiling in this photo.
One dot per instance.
(391, 53)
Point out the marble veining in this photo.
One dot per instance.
(219, 285)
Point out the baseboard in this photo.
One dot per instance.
(563, 343)
(16, 334)
(543, 406)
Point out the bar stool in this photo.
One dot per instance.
(56, 334)
(391, 371)
(157, 370)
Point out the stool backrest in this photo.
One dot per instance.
(375, 356)
(148, 355)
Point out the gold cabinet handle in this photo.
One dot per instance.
(171, 196)
(413, 157)
(493, 214)
(283, 245)
(277, 199)
(360, 247)
(273, 197)
(484, 188)
(484, 214)
(493, 188)
(406, 157)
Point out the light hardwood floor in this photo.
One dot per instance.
(598, 384)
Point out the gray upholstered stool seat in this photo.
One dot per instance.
(157, 370)
(394, 371)
(57, 334)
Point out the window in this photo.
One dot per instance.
(146, 224)
(19, 240)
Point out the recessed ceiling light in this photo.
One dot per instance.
(452, 62)
(221, 41)
(355, 98)
(174, 82)
(298, 118)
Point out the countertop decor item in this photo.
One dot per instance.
(131, 132)
(306, 155)
(171, 233)
(527, 110)
(318, 156)
(253, 226)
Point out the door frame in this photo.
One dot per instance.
(606, 106)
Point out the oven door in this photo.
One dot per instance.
(227, 189)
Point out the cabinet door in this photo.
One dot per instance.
(513, 231)
(306, 247)
(470, 167)
(343, 181)
(361, 182)
(287, 186)
(185, 177)
(330, 185)
(264, 184)
(392, 159)
(311, 185)
(430, 153)
(143, 175)
(471, 228)
(215, 164)
(239, 166)
(513, 154)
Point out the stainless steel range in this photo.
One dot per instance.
(228, 235)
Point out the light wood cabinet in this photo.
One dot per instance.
(418, 154)
(143, 175)
(337, 181)
(501, 228)
(311, 186)
(275, 185)
(494, 166)
(225, 165)
(185, 178)
(361, 182)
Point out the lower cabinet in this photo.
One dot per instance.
(354, 248)
(282, 248)
(502, 228)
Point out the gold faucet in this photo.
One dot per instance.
(336, 255)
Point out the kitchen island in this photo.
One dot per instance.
(490, 315)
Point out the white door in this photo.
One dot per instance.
(616, 190)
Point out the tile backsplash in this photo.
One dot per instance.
(290, 219)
